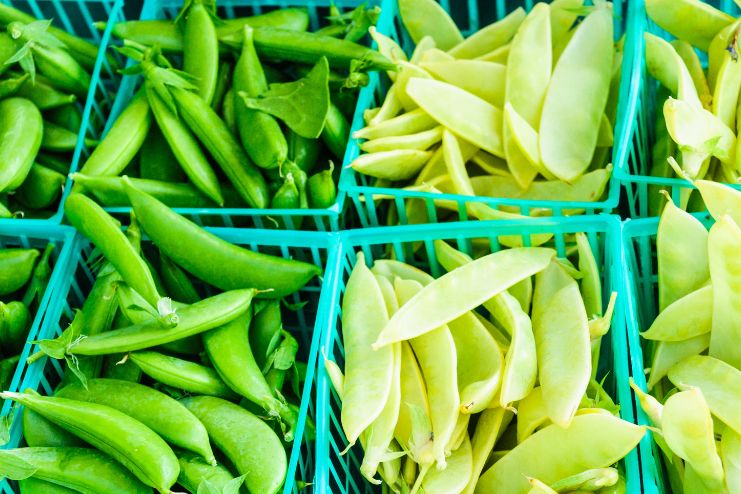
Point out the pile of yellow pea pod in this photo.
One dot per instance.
(444, 400)
(493, 114)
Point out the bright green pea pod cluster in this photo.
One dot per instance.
(432, 389)
(695, 362)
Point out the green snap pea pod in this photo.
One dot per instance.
(321, 189)
(186, 149)
(666, 354)
(407, 123)
(336, 131)
(686, 318)
(54, 162)
(15, 320)
(156, 159)
(193, 471)
(401, 164)
(592, 441)
(44, 95)
(249, 443)
(215, 136)
(214, 260)
(67, 116)
(566, 158)
(677, 17)
(223, 83)
(688, 411)
(468, 286)
(720, 199)
(36, 486)
(425, 17)
(9, 87)
(8, 48)
(730, 450)
(725, 274)
(117, 366)
(16, 268)
(302, 150)
(259, 132)
(177, 283)
(21, 130)
(78, 469)
(265, 331)
(38, 431)
(420, 141)
(39, 279)
(490, 38)
(200, 46)
(287, 196)
(127, 440)
(41, 188)
(164, 415)
(123, 140)
(719, 382)
(182, 374)
(453, 479)
(110, 191)
(105, 232)
(59, 139)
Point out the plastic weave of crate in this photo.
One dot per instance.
(330, 219)
(340, 474)
(468, 15)
(77, 17)
(77, 277)
(640, 187)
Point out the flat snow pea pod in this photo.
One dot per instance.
(720, 199)
(666, 354)
(212, 259)
(461, 290)
(687, 411)
(725, 274)
(730, 452)
(389, 109)
(694, 66)
(719, 382)
(489, 428)
(420, 141)
(182, 374)
(590, 284)
(407, 71)
(389, 296)
(690, 20)
(248, 442)
(453, 479)
(588, 480)
(78, 469)
(413, 427)
(392, 269)
(193, 471)
(200, 46)
(186, 149)
(407, 123)
(16, 267)
(400, 164)
(161, 413)
(426, 17)
(682, 255)
(15, 320)
(20, 138)
(111, 192)
(123, 140)
(58, 139)
(686, 318)
(459, 433)
(521, 148)
(469, 74)
(727, 83)
(538, 487)
(581, 78)
(592, 441)
(42, 187)
(464, 114)
(36, 486)
(561, 330)
(105, 232)
(531, 414)
(664, 64)
(127, 440)
(491, 37)
(38, 432)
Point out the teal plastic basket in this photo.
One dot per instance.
(340, 474)
(330, 219)
(641, 290)
(75, 281)
(634, 173)
(77, 17)
(470, 16)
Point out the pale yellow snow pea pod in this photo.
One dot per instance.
(719, 382)
(491, 164)
(407, 72)
(716, 52)
(665, 65)
(336, 377)
(686, 318)
(455, 165)
(413, 428)
(437, 167)
(427, 18)
(605, 137)
(463, 113)
(499, 335)
(720, 199)
(390, 107)
(523, 292)
(687, 427)
(454, 478)
(668, 353)
(409, 471)
(420, 141)
(393, 269)
(401, 164)
(581, 79)
(588, 480)
(407, 123)
(388, 48)
(682, 255)
(424, 45)
(531, 414)
(694, 66)
(491, 37)
(563, 16)
(500, 55)
(521, 148)
(730, 452)
(590, 284)
(460, 431)
(561, 331)
(483, 79)
(434, 55)
(368, 373)
(462, 290)
(553, 453)
(725, 274)
(491, 425)
(389, 296)
(654, 410)
(691, 20)
(390, 470)
(538, 487)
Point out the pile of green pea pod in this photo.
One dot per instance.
(445, 400)
(218, 401)
(697, 118)
(44, 71)
(693, 346)
(507, 97)
(262, 98)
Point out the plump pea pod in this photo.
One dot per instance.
(117, 366)
(214, 134)
(44, 95)
(322, 191)
(15, 319)
(302, 151)
(41, 189)
(9, 87)
(78, 469)
(59, 139)
(36, 486)
(248, 442)
(123, 140)
(201, 47)
(228, 348)
(287, 196)
(16, 267)
(186, 149)
(223, 83)
(21, 130)
(177, 283)
(193, 471)
(164, 415)
(265, 331)
(39, 279)
(213, 260)
(259, 132)
(336, 131)
(127, 440)
(182, 374)
(8, 48)
(227, 112)
(105, 232)
(67, 116)
(689, 20)
(156, 159)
